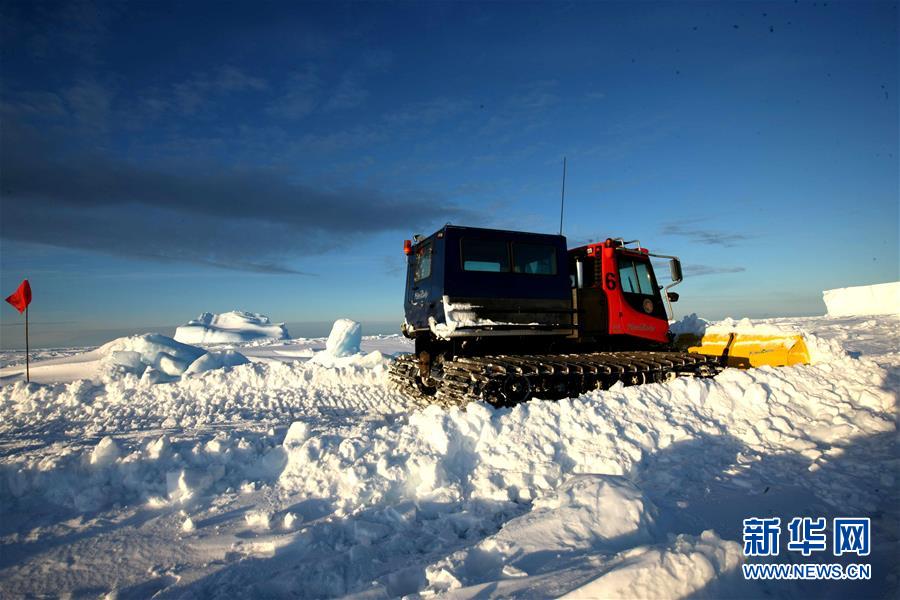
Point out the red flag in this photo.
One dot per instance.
(22, 296)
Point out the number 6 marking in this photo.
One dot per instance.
(610, 281)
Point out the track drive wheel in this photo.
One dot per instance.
(429, 388)
(513, 390)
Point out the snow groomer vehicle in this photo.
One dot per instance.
(503, 316)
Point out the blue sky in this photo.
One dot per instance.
(160, 160)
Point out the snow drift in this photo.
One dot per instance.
(880, 299)
(229, 328)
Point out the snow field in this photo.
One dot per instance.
(314, 479)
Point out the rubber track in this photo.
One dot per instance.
(490, 378)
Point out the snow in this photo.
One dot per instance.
(295, 475)
(677, 570)
(692, 324)
(105, 453)
(880, 299)
(460, 314)
(232, 327)
(138, 353)
(188, 525)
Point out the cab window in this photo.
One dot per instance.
(536, 259)
(485, 255)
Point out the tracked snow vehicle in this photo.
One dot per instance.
(502, 316)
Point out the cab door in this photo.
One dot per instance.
(590, 298)
(420, 278)
(635, 305)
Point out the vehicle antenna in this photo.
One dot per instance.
(562, 200)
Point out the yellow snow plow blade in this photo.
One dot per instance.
(747, 350)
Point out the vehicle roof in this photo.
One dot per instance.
(448, 227)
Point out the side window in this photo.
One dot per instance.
(643, 278)
(485, 255)
(634, 277)
(627, 277)
(536, 259)
(423, 262)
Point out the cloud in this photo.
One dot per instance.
(191, 95)
(536, 97)
(244, 219)
(699, 235)
(231, 79)
(39, 105)
(308, 90)
(54, 29)
(349, 93)
(393, 264)
(427, 112)
(299, 97)
(377, 59)
(90, 103)
(356, 137)
(700, 270)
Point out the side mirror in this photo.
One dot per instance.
(675, 269)
(673, 296)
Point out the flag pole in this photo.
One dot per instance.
(27, 366)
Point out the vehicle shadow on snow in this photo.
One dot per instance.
(891, 379)
(714, 482)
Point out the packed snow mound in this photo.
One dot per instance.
(694, 325)
(156, 358)
(676, 570)
(230, 328)
(342, 348)
(604, 508)
(880, 299)
(344, 339)
(155, 352)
